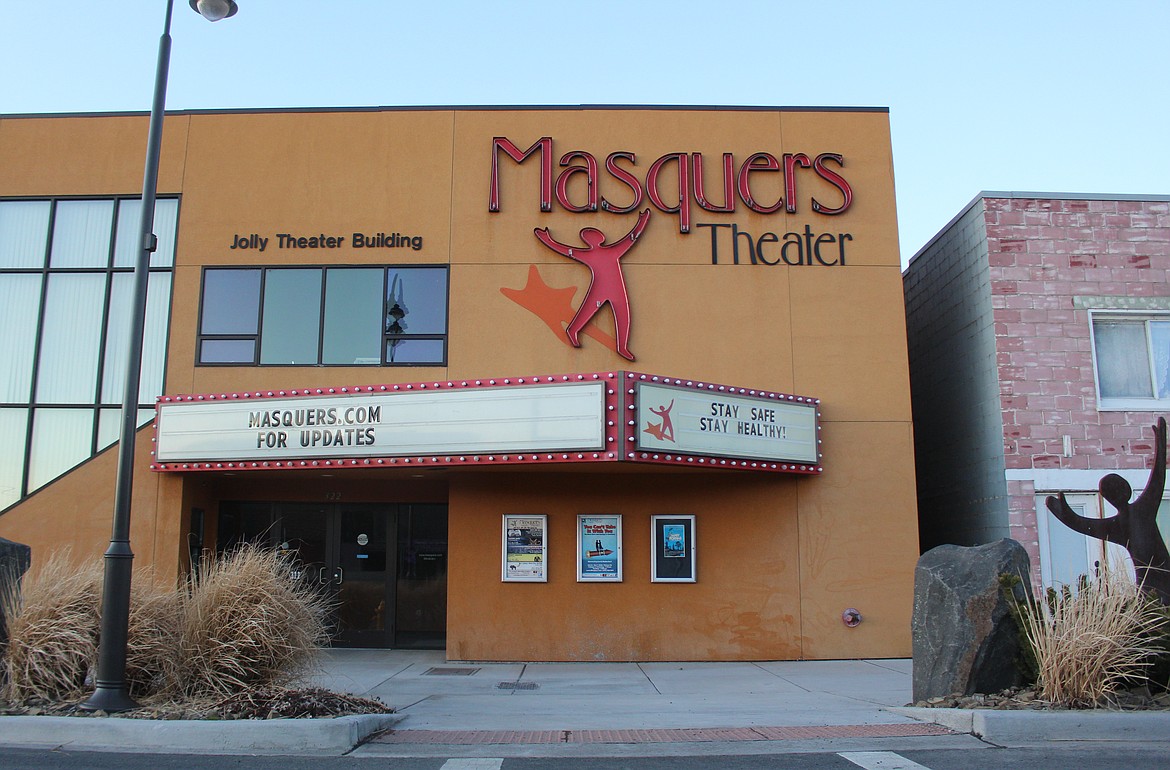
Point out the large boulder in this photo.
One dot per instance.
(15, 559)
(965, 639)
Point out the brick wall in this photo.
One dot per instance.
(1050, 260)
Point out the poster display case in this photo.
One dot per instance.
(525, 549)
(672, 546)
(599, 548)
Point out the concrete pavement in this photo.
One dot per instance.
(434, 695)
(598, 709)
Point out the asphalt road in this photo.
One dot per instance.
(1074, 756)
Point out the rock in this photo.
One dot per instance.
(15, 559)
(964, 637)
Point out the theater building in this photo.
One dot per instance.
(1039, 337)
(520, 384)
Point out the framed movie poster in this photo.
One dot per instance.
(672, 543)
(525, 558)
(599, 548)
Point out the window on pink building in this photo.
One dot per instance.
(1132, 358)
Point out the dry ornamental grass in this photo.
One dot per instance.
(240, 624)
(246, 624)
(52, 631)
(1089, 643)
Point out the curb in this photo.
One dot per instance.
(313, 737)
(1008, 727)
(660, 735)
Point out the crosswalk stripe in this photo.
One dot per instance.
(473, 764)
(880, 760)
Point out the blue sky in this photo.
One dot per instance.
(1023, 95)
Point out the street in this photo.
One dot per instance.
(1081, 756)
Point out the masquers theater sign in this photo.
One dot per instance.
(678, 184)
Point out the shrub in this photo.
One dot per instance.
(52, 630)
(152, 646)
(1088, 643)
(1018, 596)
(240, 624)
(245, 624)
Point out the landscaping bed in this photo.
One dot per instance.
(257, 703)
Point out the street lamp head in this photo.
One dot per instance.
(214, 10)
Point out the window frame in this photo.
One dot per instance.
(200, 337)
(97, 405)
(1128, 403)
(388, 336)
(385, 336)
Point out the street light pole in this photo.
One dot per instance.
(111, 692)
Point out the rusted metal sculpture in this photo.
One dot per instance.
(1135, 527)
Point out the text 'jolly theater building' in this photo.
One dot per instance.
(522, 384)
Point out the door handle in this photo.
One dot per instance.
(338, 575)
(321, 579)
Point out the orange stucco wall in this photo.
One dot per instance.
(764, 589)
(779, 557)
(75, 514)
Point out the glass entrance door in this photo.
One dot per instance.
(421, 585)
(383, 567)
(359, 576)
(341, 552)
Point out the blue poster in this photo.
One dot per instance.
(600, 542)
(674, 541)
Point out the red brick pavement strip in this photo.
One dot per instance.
(697, 734)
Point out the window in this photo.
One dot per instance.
(66, 270)
(324, 316)
(416, 315)
(292, 304)
(1132, 358)
(1066, 555)
(230, 320)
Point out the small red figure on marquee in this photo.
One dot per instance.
(606, 282)
(665, 430)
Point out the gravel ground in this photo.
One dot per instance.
(1027, 698)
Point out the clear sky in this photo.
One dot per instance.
(1024, 95)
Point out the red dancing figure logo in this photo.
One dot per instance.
(665, 430)
(606, 282)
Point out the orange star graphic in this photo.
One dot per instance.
(655, 431)
(554, 307)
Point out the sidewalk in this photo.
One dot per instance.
(519, 709)
(434, 695)
(598, 709)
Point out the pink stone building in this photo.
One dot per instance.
(1039, 340)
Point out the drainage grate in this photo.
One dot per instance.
(449, 671)
(517, 686)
